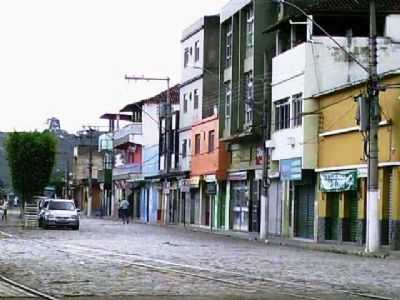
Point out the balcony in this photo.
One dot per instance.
(124, 171)
(127, 134)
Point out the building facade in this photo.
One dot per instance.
(198, 99)
(245, 56)
(303, 57)
(342, 178)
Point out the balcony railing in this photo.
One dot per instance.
(135, 168)
(131, 129)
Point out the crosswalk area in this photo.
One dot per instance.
(7, 290)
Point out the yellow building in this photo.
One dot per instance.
(342, 166)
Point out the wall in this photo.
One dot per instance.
(208, 162)
(341, 116)
(150, 139)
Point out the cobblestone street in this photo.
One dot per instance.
(108, 258)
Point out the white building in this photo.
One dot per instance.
(308, 63)
(198, 96)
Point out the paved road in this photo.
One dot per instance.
(108, 258)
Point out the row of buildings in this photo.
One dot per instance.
(262, 135)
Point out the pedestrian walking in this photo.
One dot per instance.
(4, 208)
(124, 206)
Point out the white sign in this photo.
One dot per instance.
(210, 178)
(259, 174)
(362, 172)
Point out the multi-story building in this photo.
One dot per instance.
(86, 159)
(127, 167)
(209, 163)
(342, 165)
(169, 172)
(245, 66)
(198, 99)
(150, 189)
(307, 62)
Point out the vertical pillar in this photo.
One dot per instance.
(340, 223)
(227, 204)
(394, 237)
(321, 215)
(361, 229)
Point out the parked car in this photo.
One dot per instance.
(60, 213)
(42, 204)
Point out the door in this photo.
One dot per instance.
(386, 206)
(255, 206)
(304, 211)
(350, 221)
(332, 217)
(147, 205)
(221, 206)
(275, 208)
(240, 206)
(192, 206)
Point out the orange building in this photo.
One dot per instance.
(208, 172)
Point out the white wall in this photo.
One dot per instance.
(150, 124)
(185, 163)
(190, 71)
(192, 115)
(318, 67)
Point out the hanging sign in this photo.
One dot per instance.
(338, 181)
(210, 178)
(194, 181)
(211, 188)
(290, 169)
(237, 176)
(258, 175)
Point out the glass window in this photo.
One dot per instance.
(186, 57)
(211, 139)
(196, 99)
(282, 114)
(196, 51)
(197, 144)
(185, 103)
(297, 109)
(249, 97)
(228, 102)
(61, 205)
(228, 46)
(249, 30)
(184, 148)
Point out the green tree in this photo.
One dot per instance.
(31, 157)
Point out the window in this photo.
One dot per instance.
(228, 100)
(297, 110)
(184, 148)
(197, 144)
(249, 97)
(186, 57)
(249, 30)
(282, 114)
(211, 139)
(196, 51)
(185, 103)
(228, 47)
(196, 99)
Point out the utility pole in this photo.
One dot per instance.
(168, 120)
(90, 198)
(373, 232)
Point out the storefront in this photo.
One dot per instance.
(240, 201)
(195, 197)
(339, 206)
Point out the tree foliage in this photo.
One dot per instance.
(31, 157)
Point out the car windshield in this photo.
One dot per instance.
(61, 206)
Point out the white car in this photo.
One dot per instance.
(60, 213)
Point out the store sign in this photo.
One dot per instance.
(290, 169)
(362, 172)
(237, 176)
(259, 155)
(338, 181)
(211, 188)
(166, 187)
(210, 178)
(194, 181)
(184, 185)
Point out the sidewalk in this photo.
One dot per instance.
(346, 248)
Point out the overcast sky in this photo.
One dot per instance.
(67, 58)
